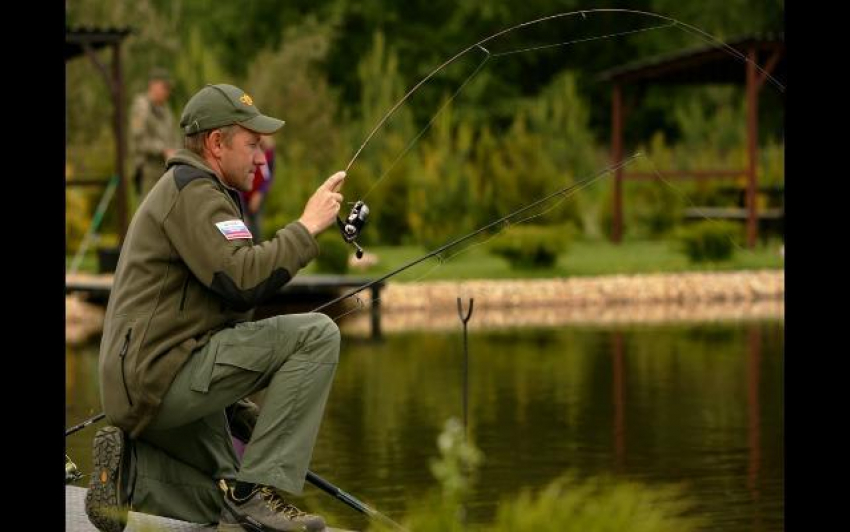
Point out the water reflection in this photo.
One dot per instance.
(699, 405)
(753, 411)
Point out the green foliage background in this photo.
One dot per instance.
(444, 163)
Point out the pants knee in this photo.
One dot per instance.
(319, 336)
(316, 333)
(326, 332)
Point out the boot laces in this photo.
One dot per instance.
(277, 504)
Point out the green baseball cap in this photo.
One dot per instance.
(159, 74)
(222, 105)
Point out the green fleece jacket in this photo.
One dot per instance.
(187, 270)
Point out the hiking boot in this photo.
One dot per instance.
(107, 500)
(264, 510)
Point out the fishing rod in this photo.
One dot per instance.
(350, 500)
(84, 424)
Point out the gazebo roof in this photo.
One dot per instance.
(711, 63)
(96, 38)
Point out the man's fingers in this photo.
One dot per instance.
(336, 196)
(334, 182)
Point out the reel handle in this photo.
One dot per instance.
(353, 224)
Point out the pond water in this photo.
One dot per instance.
(696, 404)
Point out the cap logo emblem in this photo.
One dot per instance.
(246, 100)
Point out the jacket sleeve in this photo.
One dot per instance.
(241, 273)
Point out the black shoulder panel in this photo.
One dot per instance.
(185, 174)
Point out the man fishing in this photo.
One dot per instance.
(179, 352)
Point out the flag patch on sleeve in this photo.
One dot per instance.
(233, 229)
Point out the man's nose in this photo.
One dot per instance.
(259, 157)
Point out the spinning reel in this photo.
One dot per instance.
(353, 224)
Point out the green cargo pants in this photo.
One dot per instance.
(188, 447)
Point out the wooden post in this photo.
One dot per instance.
(752, 148)
(617, 156)
(118, 102)
(376, 312)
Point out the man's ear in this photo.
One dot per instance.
(213, 142)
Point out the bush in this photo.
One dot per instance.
(567, 504)
(531, 246)
(709, 240)
(333, 253)
(601, 504)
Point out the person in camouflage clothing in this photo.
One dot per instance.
(153, 134)
(179, 351)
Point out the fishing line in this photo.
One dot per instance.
(697, 208)
(362, 306)
(598, 38)
(687, 28)
(428, 125)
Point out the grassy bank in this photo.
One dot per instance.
(583, 259)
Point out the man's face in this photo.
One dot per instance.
(239, 160)
(159, 90)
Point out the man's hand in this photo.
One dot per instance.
(322, 208)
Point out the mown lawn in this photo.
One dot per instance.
(583, 259)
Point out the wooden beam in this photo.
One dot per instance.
(617, 156)
(100, 67)
(686, 174)
(768, 68)
(752, 148)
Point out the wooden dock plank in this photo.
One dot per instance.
(77, 521)
(96, 289)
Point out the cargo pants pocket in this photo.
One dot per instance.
(226, 360)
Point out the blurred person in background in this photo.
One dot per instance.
(153, 133)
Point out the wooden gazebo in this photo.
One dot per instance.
(714, 64)
(79, 41)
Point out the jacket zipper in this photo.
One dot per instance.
(123, 356)
(185, 290)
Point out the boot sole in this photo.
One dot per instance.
(244, 525)
(104, 507)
